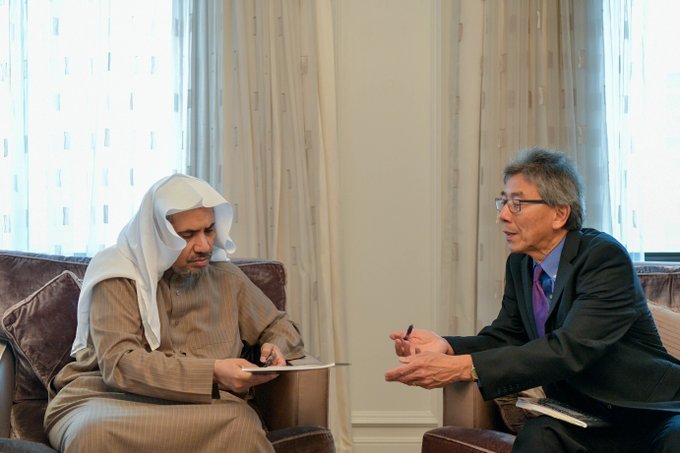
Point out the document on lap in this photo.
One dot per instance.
(560, 411)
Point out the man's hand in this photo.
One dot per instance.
(271, 355)
(420, 340)
(229, 375)
(432, 370)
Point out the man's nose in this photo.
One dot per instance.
(504, 214)
(202, 243)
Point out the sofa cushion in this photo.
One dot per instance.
(23, 446)
(27, 421)
(668, 324)
(41, 328)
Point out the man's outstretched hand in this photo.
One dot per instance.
(419, 340)
(431, 370)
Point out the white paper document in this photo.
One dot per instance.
(560, 411)
(278, 369)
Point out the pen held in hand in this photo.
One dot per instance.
(408, 332)
(270, 359)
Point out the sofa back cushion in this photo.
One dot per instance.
(23, 273)
(661, 283)
(668, 324)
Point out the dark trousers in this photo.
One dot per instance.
(642, 431)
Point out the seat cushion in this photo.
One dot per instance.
(310, 439)
(452, 439)
(27, 421)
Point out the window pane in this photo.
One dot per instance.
(658, 153)
(87, 118)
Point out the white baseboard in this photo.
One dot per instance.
(394, 419)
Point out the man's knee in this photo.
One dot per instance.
(547, 434)
(538, 434)
(88, 434)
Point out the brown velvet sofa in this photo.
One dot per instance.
(474, 425)
(38, 305)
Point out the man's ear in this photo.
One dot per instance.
(562, 213)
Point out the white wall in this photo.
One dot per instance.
(387, 87)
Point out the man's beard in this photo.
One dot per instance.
(188, 271)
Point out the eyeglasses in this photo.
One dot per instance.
(515, 204)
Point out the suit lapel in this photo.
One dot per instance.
(528, 296)
(565, 268)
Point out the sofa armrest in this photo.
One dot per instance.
(295, 398)
(6, 387)
(465, 407)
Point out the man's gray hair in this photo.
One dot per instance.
(556, 178)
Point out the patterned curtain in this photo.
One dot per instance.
(281, 164)
(88, 118)
(540, 83)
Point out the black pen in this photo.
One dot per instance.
(408, 332)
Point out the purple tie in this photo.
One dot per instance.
(541, 303)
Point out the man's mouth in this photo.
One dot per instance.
(200, 260)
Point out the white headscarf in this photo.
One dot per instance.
(148, 245)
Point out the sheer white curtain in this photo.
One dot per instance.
(623, 62)
(540, 84)
(199, 32)
(88, 118)
(643, 108)
(281, 163)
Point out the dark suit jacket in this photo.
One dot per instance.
(601, 340)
